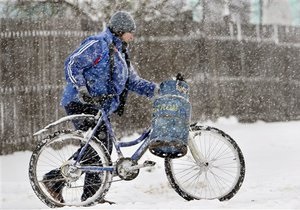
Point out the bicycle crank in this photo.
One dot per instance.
(70, 172)
(128, 169)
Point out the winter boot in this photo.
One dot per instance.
(54, 183)
(92, 183)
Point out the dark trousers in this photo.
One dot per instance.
(84, 125)
(92, 180)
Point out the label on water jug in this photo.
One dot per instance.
(166, 107)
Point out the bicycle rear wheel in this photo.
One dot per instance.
(213, 168)
(57, 182)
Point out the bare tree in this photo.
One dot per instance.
(101, 10)
(143, 9)
(39, 9)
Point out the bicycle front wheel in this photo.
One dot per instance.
(213, 168)
(58, 182)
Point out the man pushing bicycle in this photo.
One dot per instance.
(99, 68)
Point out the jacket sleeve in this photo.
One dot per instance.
(87, 55)
(139, 85)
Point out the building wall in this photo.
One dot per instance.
(281, 12)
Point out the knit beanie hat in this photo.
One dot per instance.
(121, 22)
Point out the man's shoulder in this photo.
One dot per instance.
(101, 40)
(94, 38)
(103, 36)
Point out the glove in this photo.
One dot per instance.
(84, 95)
(156, 92)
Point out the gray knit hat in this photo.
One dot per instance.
(121, 22)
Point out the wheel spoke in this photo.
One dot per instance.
(214, 177)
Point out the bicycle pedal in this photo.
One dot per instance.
(149, 163)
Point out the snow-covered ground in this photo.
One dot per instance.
(272, 181)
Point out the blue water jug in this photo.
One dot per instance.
(171, 120)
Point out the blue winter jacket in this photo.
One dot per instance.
(89, 66)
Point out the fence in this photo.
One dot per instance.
(248, 71)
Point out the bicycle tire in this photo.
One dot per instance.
(194, 181)
(57, 143)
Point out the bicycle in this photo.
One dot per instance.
(211, 167)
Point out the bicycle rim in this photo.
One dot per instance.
(218, 177)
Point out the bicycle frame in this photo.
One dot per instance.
(102, 117)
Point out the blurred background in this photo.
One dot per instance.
(240, 57)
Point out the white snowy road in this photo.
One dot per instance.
(272, 156)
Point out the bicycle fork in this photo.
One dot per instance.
(197, 155)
